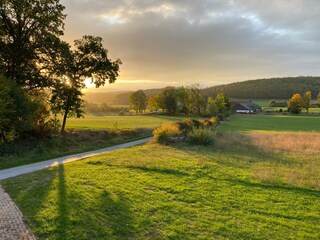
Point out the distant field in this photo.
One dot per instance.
(104, 122)
(247, 123)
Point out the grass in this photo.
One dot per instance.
(259, 122)
(245, 187)
(107, 122)
(36, 150)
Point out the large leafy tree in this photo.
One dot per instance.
(138, 101)
(29, 37)
(87, 60)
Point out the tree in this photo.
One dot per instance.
(138, 101)
(153, 103)
(212, 108)
(318, 98)
(197, 100)
(88, 60)
(183, 100)
(29, 37)
(222, 103)
(295, 103)
(306, 100)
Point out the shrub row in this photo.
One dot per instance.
(189, 130)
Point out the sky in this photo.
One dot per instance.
(209, 42)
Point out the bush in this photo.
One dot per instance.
(201, 136)
(163, 133)
(185, 126)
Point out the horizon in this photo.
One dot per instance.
(211, 43)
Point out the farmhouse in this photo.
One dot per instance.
(247, 107)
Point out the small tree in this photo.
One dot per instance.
(212, 108)
(167, 100)
(222, 103)
(138, 101)
(197, 100)
(89, 59)
(295, 103)
(306, 100)
(153, 104)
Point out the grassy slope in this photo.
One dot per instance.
(103, 122)
(159, 192)
(247, 123)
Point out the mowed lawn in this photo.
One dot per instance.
(109, 122)
(244, 187)
(260, 122)
(259, 180)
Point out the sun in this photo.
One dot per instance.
(88, 83)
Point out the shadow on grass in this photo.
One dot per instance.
(63, 211)
(118, 219)
(159, 170)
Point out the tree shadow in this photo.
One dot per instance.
(174, 172)
(117, 222)
(63, 211)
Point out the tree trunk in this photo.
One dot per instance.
(65, 119)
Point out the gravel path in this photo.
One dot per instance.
(12, 226)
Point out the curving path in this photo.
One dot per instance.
(12, 225)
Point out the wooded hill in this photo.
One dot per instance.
(272, 88)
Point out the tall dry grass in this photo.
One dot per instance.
(301, 143)
(277, 158)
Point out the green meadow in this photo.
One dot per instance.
(259, 180)
(261, 122)
(135, 121)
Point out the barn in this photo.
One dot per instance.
(247, 107)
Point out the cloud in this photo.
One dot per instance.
(208, 41)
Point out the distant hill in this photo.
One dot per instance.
(272, 88)
(116, 98)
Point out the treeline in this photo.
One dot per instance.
(182, 100)
(273, 88)
(104, 108)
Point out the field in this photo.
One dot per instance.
(259, 180)
(105, 122)
(259, 122)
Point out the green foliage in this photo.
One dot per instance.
(21, 113)
(163, 133)
(306, 100)
(201, 136)
(273, 88)
(295, 104)
(198, 102)
(138, 101)
(274, 103)
(89, 59)
(212, 107)
(222, 103)
(30, 31)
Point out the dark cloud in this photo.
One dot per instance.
(206, 41)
